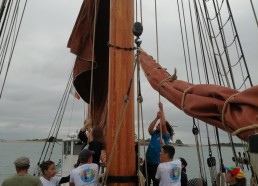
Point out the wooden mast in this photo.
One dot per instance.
(120, 72)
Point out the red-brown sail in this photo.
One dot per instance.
(225, 108)
(81, 43)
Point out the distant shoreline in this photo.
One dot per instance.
(20, 141)
(141, 143)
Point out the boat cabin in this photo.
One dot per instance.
(70, 152)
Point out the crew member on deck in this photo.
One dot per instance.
(184, 178)
(153, 151)
(235, 176)
(22, 178)
(49, 177)
(169, 170)
(87, 127)
(94, 140)
(87, 172)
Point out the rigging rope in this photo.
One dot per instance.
(92, 62)
(53, 133)
(11, 32)
(225, 46)
(140, 122)
(120, 122)
(254, 12)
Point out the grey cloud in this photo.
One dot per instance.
(42, 64)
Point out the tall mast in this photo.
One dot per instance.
(121, 67)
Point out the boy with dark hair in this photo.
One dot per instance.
(169, 170)
(87, 172)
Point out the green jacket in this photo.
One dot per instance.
(22, 180)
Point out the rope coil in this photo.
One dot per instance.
(254, 126)
(224, 111)
(167, 79)
(250, 127)
(184, 96)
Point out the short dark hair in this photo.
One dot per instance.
(84, 155)
(183, 161)
(45, 165)
(170, 150)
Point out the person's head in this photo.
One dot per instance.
(85, 156)
(97, 134)
(235, 175)
(88, 124)
(167, 153)
(48, 169)
(184, 164)
(22, 163)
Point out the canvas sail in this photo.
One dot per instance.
(228, 109)
(88, 49)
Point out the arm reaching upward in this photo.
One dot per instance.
(153, 123)
(162, 119)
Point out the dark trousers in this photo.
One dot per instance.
(151, 171)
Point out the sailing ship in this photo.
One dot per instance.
(103, 42)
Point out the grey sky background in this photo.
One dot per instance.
(41, 66)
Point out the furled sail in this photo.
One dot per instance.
(88, 41)
(228, 109)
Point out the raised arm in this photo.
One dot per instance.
(86, 126)
(153, 123)
(162, 119)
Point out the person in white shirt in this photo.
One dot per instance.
(87, 172)
(49, 178)
(169, 170)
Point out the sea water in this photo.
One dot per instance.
(11, 150)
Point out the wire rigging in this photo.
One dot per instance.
(54, 130)
(7, 38)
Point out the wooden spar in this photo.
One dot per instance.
(120, 73)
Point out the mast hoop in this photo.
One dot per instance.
(121, 48)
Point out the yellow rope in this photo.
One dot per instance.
(167, 79)
(183, 98)
(250, 127)
(141, 178)
(120, 122)
(92, 61)
(224, 111)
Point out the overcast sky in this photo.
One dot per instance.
(41, 66)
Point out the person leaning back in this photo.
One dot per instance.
(22, 178)
(153, 151)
